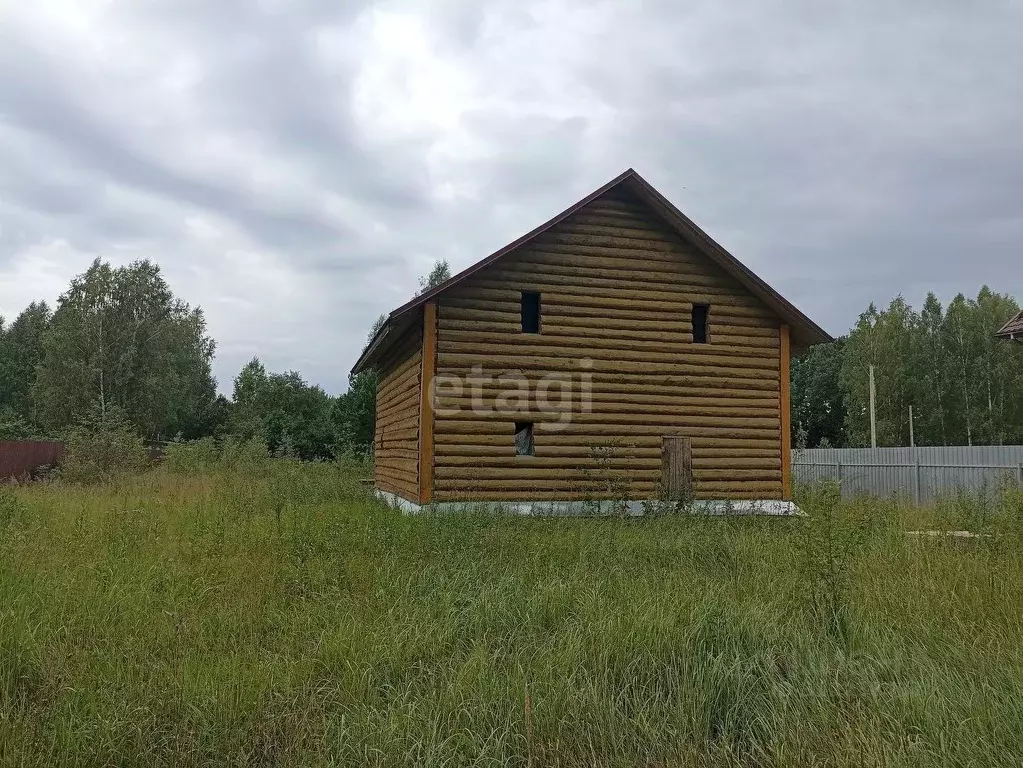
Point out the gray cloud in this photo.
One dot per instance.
(294, 166)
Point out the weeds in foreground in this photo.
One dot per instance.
(273, 614)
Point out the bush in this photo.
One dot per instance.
(102, 447)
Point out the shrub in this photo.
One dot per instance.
(101, 447)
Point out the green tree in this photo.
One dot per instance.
(930, 383)
(292, 416)
(818, 403)
(965, 386)
(440, 272)
(882, 339)
(20, 353)
(354, 414)
(119, 338)
(982, 372)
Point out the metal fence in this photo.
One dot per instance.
(20, 458)
(922, 474)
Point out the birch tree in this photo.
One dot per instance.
(119, 338)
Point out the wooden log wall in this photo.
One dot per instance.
(396, 435)
(617, 289)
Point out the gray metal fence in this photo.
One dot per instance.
(921, 474)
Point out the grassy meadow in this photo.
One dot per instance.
(271, 613)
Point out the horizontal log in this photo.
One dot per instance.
(577, 477)
(398, 406)
(619, 220)
(674, 318)
(751, 358)
(398, 435)
(670, 322)
(525, 488)
(670, 385)
(638, 491)
(582, 296)
(409, 451)
(548, 422)
(391, 452)
(612, 213)
(459, 453)
(408, 419)
(490, 398)
(600, 432)
(612, 201)
(596, 437)
(737, 474)
(583, 223)
(564, 311)
(388, 434)
(499, 409)
(704, 369)
(532, 265)
(390, 398)
(391, 418)
(626, 260)
(648, 333)
(390, 391)
(397, 402)
(605, 391)
(594, 339)
(446, 476)
(409, 433)
(395, 477)
(666, 290)
(396, 467)
(651, 244)
(652, 328)
(650, 460)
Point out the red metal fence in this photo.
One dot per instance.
(20, 458)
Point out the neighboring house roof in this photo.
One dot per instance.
(1012, 329)
(804, 331)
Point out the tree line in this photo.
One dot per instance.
(120, 348)
(965, 385)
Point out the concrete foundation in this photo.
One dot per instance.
(769, 507)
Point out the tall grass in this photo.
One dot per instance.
(272, 614)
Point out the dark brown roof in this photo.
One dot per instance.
(1012, 329)
(804, 331)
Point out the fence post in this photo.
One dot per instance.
(1020, 475)
(841, 491)
(916, 479)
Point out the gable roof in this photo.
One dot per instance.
(804, 332)
(1012, 329)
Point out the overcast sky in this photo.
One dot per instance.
(295, 166)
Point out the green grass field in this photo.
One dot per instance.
(275, 615)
